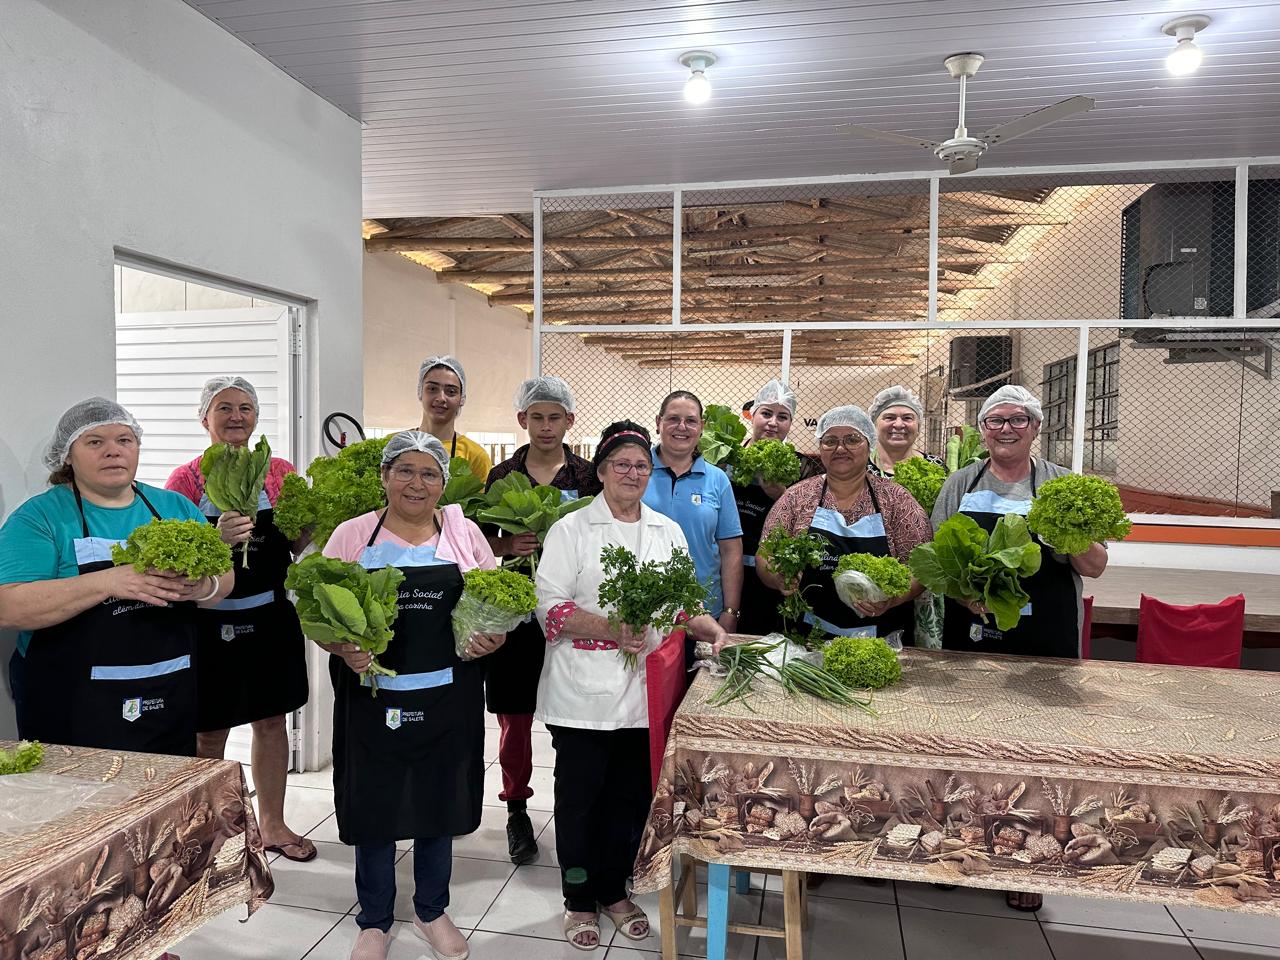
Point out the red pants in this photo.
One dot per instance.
(515, 755)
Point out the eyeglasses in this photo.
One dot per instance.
(622, 467)
(995, 424)
(681, 421)
(849, 443)
(406, 474)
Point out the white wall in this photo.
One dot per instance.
(145, 126)
(409, 316)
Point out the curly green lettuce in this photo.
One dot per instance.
(861, 662)
(505, 589)
(774, 461)
(1072, 512)
(890, 574)
(22, 759)
(342, 487)
(922, 479)
(190, 547)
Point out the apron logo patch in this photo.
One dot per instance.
(397, 717)
(228, 631)
(132, 709)
(393, 718)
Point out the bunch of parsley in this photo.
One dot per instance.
(651, 594)
(789, 557)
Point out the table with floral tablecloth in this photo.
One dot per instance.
(1088, 778)
(172, 843)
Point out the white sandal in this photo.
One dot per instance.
(623, 922)
(576, 928)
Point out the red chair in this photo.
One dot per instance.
(1200, 635)
(1086, 630)
(665, 687)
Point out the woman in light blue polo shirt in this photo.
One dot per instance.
(106, 656)
(699, 497)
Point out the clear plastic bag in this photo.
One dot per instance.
(28, 800)
(472, 615)
(855, 587)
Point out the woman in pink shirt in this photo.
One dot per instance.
(407, 765)
(251, 664)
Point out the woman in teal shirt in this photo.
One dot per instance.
(106, 656)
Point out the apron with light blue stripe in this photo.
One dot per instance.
(252, 653)
(864, 535)
(118, 676)
(1049, 626)
(407, 762)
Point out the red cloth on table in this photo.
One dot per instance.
(1200, 635)
(665, 687)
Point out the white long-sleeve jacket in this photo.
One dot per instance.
(582, 685)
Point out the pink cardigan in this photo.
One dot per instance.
(461, 542)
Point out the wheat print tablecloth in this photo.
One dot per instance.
(1089, 778)
(127, 881)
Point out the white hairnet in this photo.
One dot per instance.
(544, 390)
(216, 385)
(79, 420)
(449, 363)
(775, 391)
(1019, 397)
(847, 416)
(895, 397)
(407, 441)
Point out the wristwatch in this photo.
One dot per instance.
(732, 612)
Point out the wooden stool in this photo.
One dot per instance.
(795, 910)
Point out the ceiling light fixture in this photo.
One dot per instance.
(1186, 56)
(697, 89)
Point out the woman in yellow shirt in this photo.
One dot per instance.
(442, 388)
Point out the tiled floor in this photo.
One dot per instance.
(514, 913)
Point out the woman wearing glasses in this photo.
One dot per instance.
(407, 765)
(853, 511)
(593, 704)
(699, 497)
(1004, 483)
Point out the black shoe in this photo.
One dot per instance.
(520, 840)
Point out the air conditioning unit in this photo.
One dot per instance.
(1178, 251)
(979, 366)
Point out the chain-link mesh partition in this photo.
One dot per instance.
(1180, 405)
(607, 259)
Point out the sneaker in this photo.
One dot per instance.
(370, 945)
(521, 844)
(445, 940)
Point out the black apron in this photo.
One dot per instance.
(408, 762)
(252, 653)
(866, 535)
(118, 676)
(511, 672)
(759, 603)
(1050, 627)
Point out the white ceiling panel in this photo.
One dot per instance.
(470, 105)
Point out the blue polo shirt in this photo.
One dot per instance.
(702, 503)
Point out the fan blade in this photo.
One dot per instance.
(963, 165)
(1037, 119)
(857, 130)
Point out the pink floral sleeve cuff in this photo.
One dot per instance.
(556, 618)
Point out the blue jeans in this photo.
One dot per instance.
(376, 881)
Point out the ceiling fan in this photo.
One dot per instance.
(962, 151)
